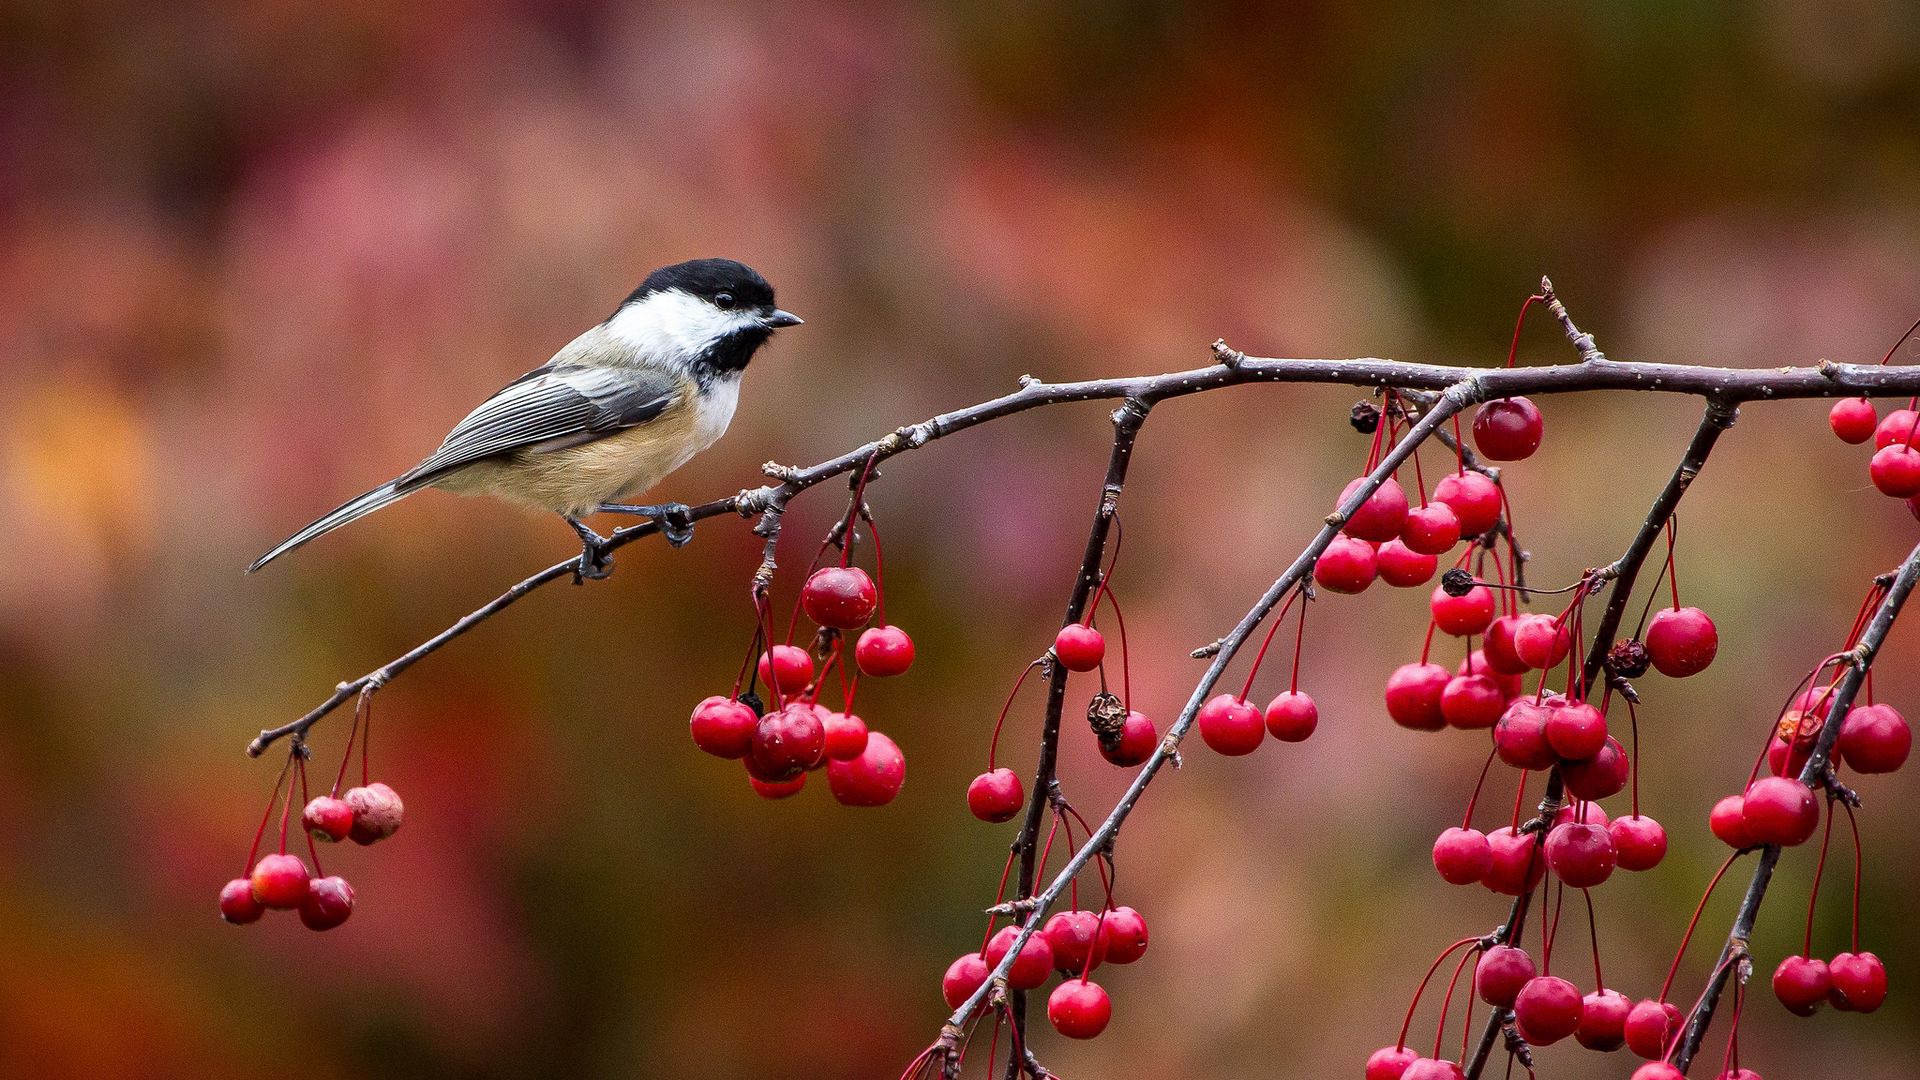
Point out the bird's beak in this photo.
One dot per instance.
(777, 318)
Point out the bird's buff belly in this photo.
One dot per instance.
(577, 479)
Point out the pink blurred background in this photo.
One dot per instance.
(257, 257)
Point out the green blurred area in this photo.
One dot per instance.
(257, 257)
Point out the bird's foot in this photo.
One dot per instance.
(675, 519)
(596, 554)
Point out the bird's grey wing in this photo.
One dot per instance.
(550, 408)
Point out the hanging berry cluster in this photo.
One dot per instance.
(366, 814)
(1564, 733)
(799, 735)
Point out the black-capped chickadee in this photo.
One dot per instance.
(608, 417)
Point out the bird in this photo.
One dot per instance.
(611, 415)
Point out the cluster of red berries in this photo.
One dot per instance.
(1895, 466)
(780, 747)
(281, 881)
(1072, 943)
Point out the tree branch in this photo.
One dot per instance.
(1731, 385)
(1860, 662)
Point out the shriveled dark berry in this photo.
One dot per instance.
(1628, 658)
(1365, 418)
(1457, 582)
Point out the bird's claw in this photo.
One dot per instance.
(676, 524)
(595, 562)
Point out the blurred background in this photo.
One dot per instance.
(256, 257)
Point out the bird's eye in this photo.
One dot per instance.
(724, 301)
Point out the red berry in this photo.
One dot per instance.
(1292, 716)
(329, 901)
(1472, 701)
(237, 903)
(1541, 641)
(280, 881)
(1475, 500)
(1600, 776)
(1896, 428)
(846, 735)
(1499, 647)
(1033, 964)
(1658, 1070)
(1603, 1020)
(1681, 641)
(1738, 1074)
(1432, 529)
(327, 819)
(786, 668)
(1581, 855)
(1413, 696)
(1135, 744)
(1640, 841)
(1390, 1062)
(872, 778)
(1517, 865)
(1874, 739)
(1433, 1069)
(1728, 821)
(1399, 566)
(1788, 758)
(1079, 1009)
(1853, 419)
(1780, 810)
(1124, 934)
(723, 727)
(842, 597)
(1079, 647)
(883, 651)
(1547, 1010)
(1895, 470)
(965, 975)
(1462, 856)
(1462, 615)
(1230, 725)
(1507, 429)
(787, 741)
(1346, 566)
(1380, 518)
(1576, 730)
(1520, 735)
(1651, 1026)
(776, 789)
(1073, 936)
(996, 795)
(377, 812)
(1802, 984)
(1503, 970)
(1859, 982)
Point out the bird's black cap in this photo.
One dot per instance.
(708, 278)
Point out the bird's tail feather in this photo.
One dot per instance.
(352, 510)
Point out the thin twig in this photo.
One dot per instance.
(1860, 661)
(1126, 428)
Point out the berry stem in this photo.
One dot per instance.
(993, 747)
(1513, 350)
(1446, 1002)
(266, 816)
(1854, 824)
(1407, 1025)
(1819, 870)
(1593, 936)
(1299, 637)
(1694, 922)
(1466, 821)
